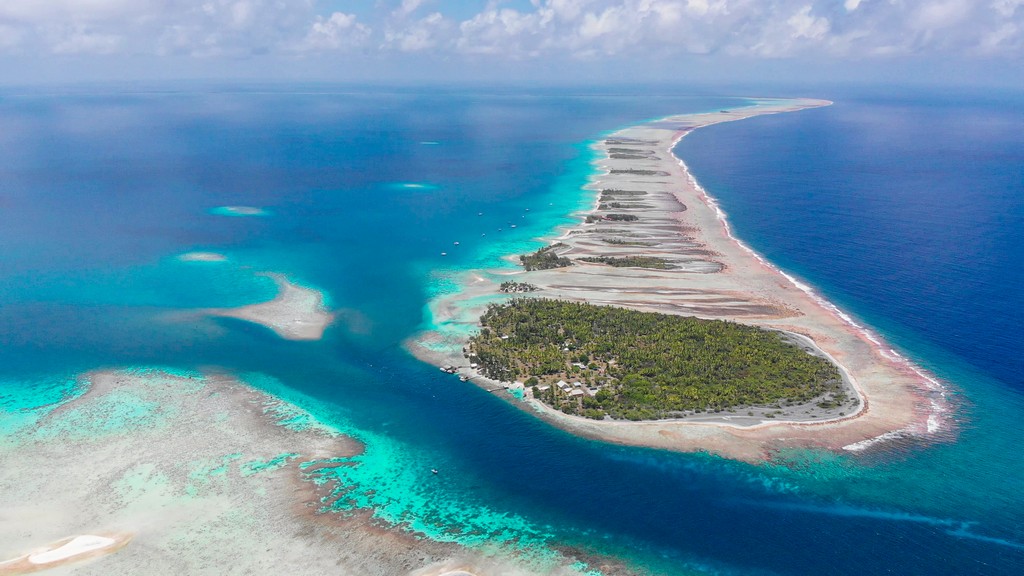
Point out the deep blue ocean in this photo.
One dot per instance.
(906, 211)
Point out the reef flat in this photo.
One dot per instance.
(197, 473)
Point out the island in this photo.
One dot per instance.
(605, 362)
(545, 258)
(202, 257)
(239, 211)
(513, 287)
(296, 313)
(672, 252)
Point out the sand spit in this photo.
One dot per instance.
(66, 551)
(296, 313)
(239, 211)
(202, 257)
(190, 474)
(712, 275)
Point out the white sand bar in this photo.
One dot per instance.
(77, 546)
(180, 484)
(296, 313)
(202, 257)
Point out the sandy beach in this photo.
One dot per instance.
(712, 275)
(296, 313)
(67, 551)
(202, 257)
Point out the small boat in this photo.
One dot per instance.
(433, 470)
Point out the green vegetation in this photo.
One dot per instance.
(613, 217)
(617, 192)
(620, 156)
(621, 242)
(544, 259)
(630, 262)
(511, 287)
(637, 172)
(630, 151)
(623, 205)
(621, 192)
(629, 142)
(641, 365)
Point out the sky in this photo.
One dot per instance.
(949, 42)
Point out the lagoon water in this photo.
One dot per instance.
(908, 212)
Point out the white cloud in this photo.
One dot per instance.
(1007, 35)
(406, 8)
(1007, 8)
(86, 42)
(806, 25)
(338, 31)
(524, 30)
(423, 34)
(767, 28)
(943, 14)
(50, 11)
(241, 14)
(504, 31)
(561, 10)
(10, 37)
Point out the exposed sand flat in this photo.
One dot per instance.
(184, 474)
(296, 313)
(239, 211)
(67, 551)
(75, 547)
(711, 275)
(202, 257)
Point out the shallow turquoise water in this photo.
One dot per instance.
(93, 229)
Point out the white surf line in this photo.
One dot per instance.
(934, 421)
(956, 528)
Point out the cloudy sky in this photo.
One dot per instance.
(953, 41)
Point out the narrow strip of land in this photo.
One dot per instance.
(655, 241)
(296, 313)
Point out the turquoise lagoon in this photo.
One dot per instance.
(102, 192)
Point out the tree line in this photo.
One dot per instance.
(645, 365)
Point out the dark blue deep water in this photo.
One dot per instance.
(907, 212)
